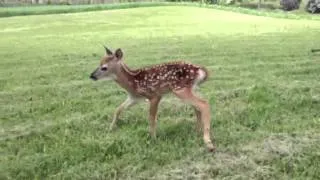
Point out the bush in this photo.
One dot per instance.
(313, 6)
(289, 5)
(251, 5)
(64, 3)
(212, 1)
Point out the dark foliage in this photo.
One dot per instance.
(289, 5)
(313, 6)
(250, 5)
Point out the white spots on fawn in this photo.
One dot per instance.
(161, 78)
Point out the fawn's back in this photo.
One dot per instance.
(166, 77)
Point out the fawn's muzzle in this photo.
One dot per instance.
(93, 77)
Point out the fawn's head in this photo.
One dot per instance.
(108, 65)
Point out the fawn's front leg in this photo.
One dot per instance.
(154, 102)
(126, 104)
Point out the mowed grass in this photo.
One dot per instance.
(61, 9)
(263, 89)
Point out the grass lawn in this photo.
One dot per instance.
(264, 91)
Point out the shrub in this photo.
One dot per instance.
(289, 5)
(212, 1)
(251, 5)
(313, 6)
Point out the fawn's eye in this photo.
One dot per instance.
(104, 68)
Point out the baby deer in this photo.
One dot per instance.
(152, 83)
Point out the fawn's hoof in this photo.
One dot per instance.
(112, 128)
(211, 147)
(152, 136)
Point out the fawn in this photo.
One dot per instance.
(152, 83)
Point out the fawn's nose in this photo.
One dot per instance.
(93, 77)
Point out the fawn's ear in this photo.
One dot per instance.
(108, 52)
(119, 54)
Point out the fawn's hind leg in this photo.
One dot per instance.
(198, 119)
(204, 108)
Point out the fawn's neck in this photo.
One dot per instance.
(124, 77)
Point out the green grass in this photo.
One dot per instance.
(264, 91)
(63, 9)
(59, 9)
